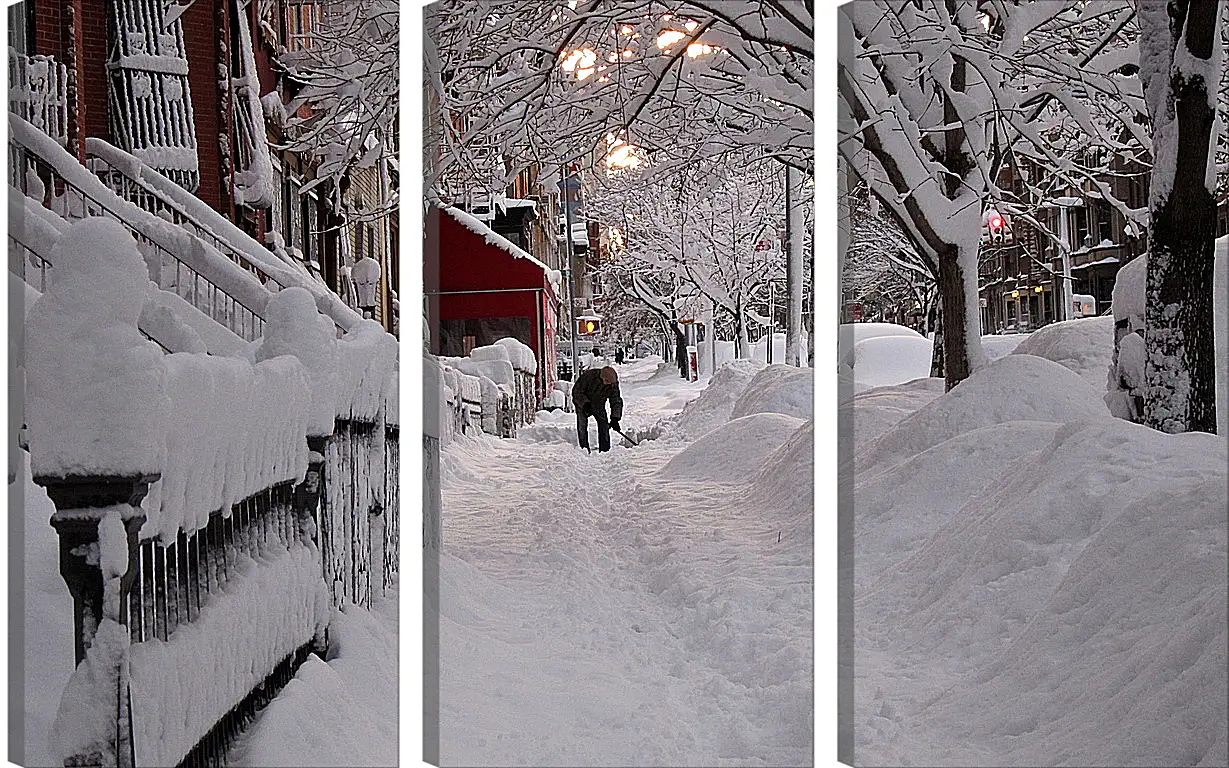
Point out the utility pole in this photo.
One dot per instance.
(570, 272)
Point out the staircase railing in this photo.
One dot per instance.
(38, 93)
(148, 198)
(61, 192)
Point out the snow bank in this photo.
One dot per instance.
(733, 450)
(1032, 593)
(884, 360)
(1012, 388)
(96, 389)
(785, 484)
(716, 401)
(180, 687)
(778, 389)
(876, 411)
(1085, 345)
(849, 335)
(351, 700)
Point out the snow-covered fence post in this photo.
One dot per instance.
(96, 409)
(98, 521)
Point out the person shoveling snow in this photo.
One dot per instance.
(589, 394)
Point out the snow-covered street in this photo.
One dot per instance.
(624, 608)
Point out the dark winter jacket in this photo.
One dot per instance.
(590, 390)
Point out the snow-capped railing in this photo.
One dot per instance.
(102, 159)
(146, 188)
(197, 506)
(178, 262)
(38, 92)
(28, 264)
(494, 389)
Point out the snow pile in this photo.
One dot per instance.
(1085, 345)
(519, 354)
(294, 327)
(876, 411)
(1012, 388)
(350, 700)
(785, 483)
(96, 389)
(733, 450)
(181, 687)
(997, 345)
(45, 647)
(85, 721)
(849, 335)
(883, 360)
(778, 389)
(716, 401)
(1042, 592)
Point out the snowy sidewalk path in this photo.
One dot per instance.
(595, 613)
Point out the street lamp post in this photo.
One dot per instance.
(569, 273)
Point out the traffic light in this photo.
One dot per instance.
(995, 229)
(588, 326)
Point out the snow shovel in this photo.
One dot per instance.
(625, 437)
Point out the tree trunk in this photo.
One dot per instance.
(1180, 367)
(936, 355)
(957, 336)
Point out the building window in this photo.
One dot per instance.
(308, 202)
(303, 17)
(20, 38)
(294, 226)
(277, 215)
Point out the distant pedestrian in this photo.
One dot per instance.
(618, 355)
(589, 394)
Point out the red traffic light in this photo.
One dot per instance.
(587, 327)
(996, 222)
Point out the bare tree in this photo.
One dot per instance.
(941, 93)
